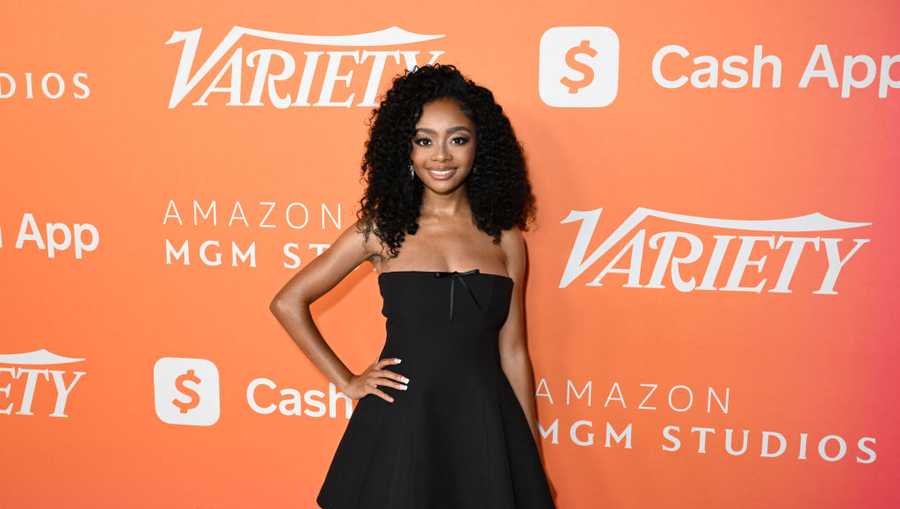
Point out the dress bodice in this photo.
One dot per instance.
(412, 290)
(445, 318)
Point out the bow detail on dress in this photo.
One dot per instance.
(454, 276)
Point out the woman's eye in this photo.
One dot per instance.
(461, 139)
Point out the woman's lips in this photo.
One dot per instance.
(442, 175)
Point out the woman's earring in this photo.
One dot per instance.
(412, 172)
(474, 169)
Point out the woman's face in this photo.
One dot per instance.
(443, 146)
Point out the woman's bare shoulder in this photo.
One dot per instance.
(512, 239)
(512, 242)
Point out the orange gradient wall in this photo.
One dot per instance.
(708, 261)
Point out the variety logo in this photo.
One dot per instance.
(22, 369)
(579, 67)
(669, 268)
(276, 79)
(187, 391)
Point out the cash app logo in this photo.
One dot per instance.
(579, 67)
(187, 391)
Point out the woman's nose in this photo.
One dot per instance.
(441, 153)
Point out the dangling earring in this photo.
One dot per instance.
(412, 172)
(474, 169)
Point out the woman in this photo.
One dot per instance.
(454, 425)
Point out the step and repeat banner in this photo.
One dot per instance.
(712, 297)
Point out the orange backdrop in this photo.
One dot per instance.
(712, 295)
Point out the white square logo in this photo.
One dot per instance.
(187, 391)
(579, 67)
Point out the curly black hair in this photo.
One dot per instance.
(499, 192)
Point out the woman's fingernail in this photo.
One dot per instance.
(403, 387)
(398, 361)
(405, 380)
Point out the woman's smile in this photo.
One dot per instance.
(442, 175)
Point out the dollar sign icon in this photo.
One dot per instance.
(587, 73)
(184, 406)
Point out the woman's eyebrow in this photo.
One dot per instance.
(449, 130)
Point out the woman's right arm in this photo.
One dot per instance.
(291, 307)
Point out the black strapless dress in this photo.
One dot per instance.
(457, 437)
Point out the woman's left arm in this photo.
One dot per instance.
(514, 357)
